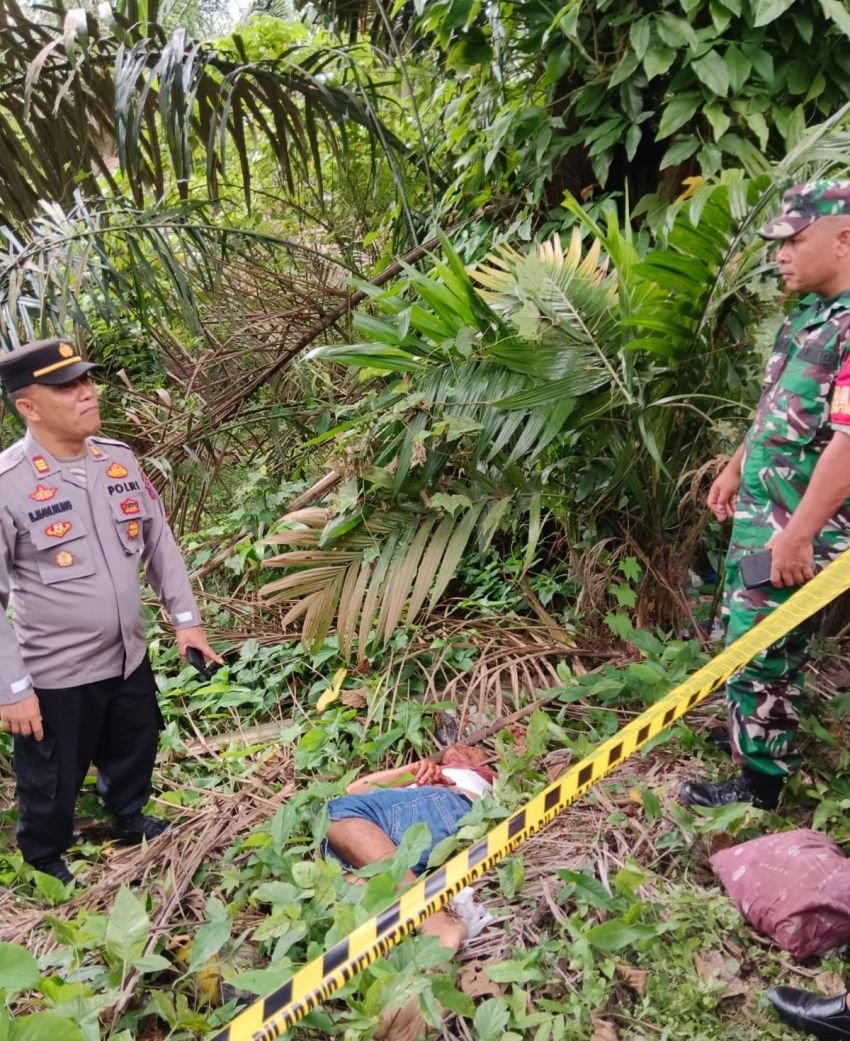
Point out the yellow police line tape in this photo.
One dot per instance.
(267, 1018)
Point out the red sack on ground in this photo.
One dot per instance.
(793, 887)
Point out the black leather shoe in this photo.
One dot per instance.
(826, 1018)
(761, 790)
(57, 867)
(132, 829)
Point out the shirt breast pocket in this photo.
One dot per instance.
(129, 513)
(62, 549)
(801, 404)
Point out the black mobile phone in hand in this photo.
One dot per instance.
(197, 661)
(755, 568)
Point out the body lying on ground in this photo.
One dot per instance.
(369, 822)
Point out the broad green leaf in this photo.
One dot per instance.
(18, 968)
(625, 69)
(657, 61)
(639, 35)
(679, 151)
(261, 981)
(45, 1026)
(451, 998)
(614, 935)
(589, 890)
(450, 503)
(209, 940)
(837, 11)
(676, 113)
(675, 32)
(816, 89)
(127, 929)
(718, 118)
(800, 76)
(720, 16)
(491, 1018)
(767, 11)
(633, 137)
(762, 61)
(758, 125)
(739, 66)
(152, 963)
(54, 891)
(713, 72)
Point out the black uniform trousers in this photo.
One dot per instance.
(114, 724)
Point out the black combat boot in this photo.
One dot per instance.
(56, 867)
(130, 830)
(762, 790)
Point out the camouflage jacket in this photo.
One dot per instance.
(801, 408)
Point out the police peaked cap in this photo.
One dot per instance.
(47, 362)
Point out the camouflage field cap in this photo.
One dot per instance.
(803, 204)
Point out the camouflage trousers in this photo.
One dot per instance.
(763, 697)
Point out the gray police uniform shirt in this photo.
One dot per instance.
(73, 536)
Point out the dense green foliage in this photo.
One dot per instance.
(615, 93)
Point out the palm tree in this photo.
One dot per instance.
(91, 106)
(556, 381)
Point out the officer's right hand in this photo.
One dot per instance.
(723, 493)
(23, 718)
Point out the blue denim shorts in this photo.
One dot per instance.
(394, 810)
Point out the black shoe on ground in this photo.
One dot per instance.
(762, 790)
(132, 829)
(56, 867)
(826, 1018)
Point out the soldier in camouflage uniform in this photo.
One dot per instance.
(787, 487)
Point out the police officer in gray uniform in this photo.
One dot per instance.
(78, 520)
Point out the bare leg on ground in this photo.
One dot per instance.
(360, 842)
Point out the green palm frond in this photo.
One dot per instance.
(710, 253)
(109, 260)
(76, 93)
(564, 307)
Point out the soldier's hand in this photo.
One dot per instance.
(723, 493)
(195, 637)
(23, 718)
(791, 561)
